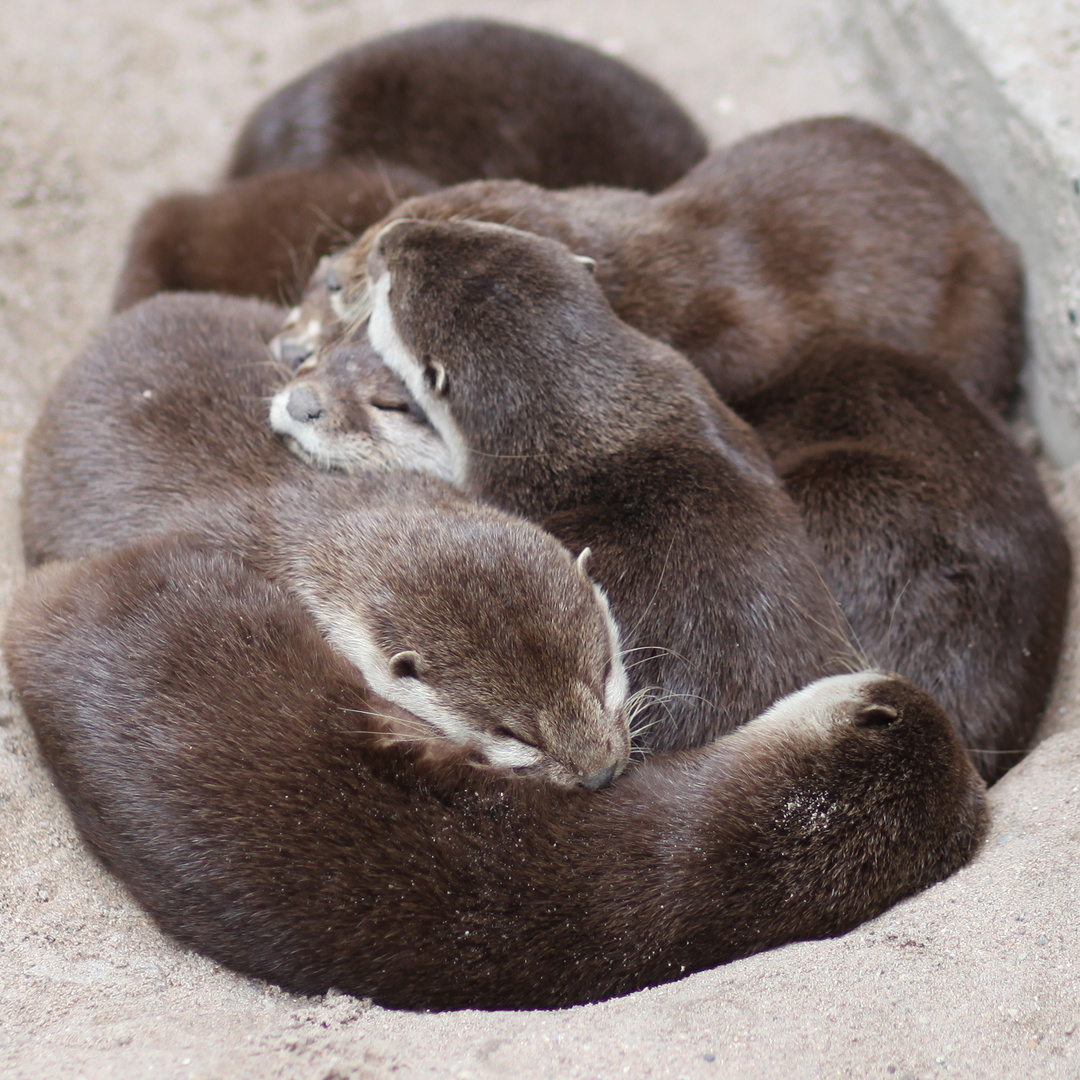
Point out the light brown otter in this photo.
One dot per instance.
(829, 225)
(551, 407)
(260, 236)
(935, 535)
(466, 99)
(222, 760)
(479, 623)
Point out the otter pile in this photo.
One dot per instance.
(584, 444)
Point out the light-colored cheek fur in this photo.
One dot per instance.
(396, 442)
(310, 335)
(348, 634)
(395, 354)
(618, 684)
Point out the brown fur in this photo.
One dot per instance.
(936, 537)
(467, 99)
(259, 236)
(223, 763)
(498, 624)
(821, 225)
(553, 408)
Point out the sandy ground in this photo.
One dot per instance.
(104, 105)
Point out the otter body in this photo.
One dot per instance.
(259, 236)
(829, 225)
(166, 410)
(468, 99)
(935, 535)
(551, 407)
(224, 763)
(331, 153)
(477, 622)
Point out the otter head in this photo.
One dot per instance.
(482, 626)
(343, 410)
(876, 768)
(482, 321)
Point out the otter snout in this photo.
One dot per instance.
(303, 404)
(600, 779)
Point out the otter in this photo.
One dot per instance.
(258, 236)
(331, 153)
(477, 622)
(166, 409)
(935, 535)
(223, 762)
(551, 407)
(467, 99)
(826, 225)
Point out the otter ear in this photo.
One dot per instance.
(877, 716)
(582, 560)
(588, 262)
(435, 377)
(406, 665)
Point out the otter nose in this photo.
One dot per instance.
(599, 779)
(303, 405)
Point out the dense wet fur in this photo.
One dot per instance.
(474, 99)
(224, 764)
(553, 408)
(828, 225)
(258, 236)
(936, 537)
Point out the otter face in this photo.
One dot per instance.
(344, 410)
(482, 626)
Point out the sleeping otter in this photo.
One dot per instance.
(551, 407)
(224, 762)
(477, 622)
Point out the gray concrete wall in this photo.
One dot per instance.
(993, 88)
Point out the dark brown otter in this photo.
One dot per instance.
(166, 409)
(822, 225)
(476, 621)
(260, 236)
(226, 765)
(331, 153)
(936, 537)
(473, 99)
(551, 407)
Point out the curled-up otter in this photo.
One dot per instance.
(225, 764)
(333, 151)
(478, 623)
(935, 534)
